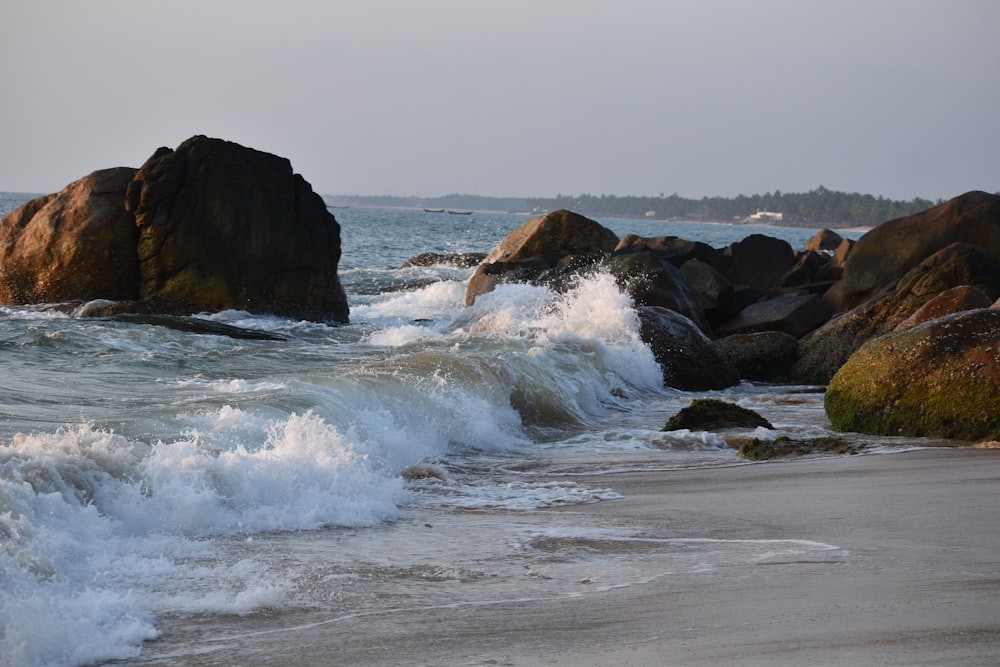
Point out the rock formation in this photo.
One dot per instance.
(211, 225)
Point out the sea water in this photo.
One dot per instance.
(155, 482)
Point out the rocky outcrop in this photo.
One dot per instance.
(211, 225)
(688, 358)
(828, 348)
(887, 252)
(539, 246)
(940, 378)
(78, 244)
(223, 226)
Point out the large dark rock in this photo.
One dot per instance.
(688, 358)
(793, 314)
(653, 281)
(940, 378)
(763, 357)
(223, 226)
(539, 245)
(887, 252)
(760, 262)
(78, 244)
(825, 350)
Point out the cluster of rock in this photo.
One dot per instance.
(760, 310)
(209, 226)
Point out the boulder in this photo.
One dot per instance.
(760, 262)
(223, 226)
(887, 252)
(824, 239)
(793, 314)
(939, 379)
(688, 358)
(825, 350)
(76, 245)
(552, 237)
(717, 295)
(761, 357)
(948, 302)
(653, 281)
(812, 267)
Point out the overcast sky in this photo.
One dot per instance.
(515, 97)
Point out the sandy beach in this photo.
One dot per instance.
(856, 560)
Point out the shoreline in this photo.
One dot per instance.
(877, 558)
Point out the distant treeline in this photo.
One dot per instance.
(816, 207)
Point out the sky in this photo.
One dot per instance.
(529, 98)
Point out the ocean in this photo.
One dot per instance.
(164, 493)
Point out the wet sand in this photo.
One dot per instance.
(910, 576)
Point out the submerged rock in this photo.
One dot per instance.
(760, 449)
(710, 414)
(940, 378)
(459, 259)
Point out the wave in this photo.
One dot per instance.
(104, 525)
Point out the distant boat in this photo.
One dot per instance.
(453, 212)
(333, 206)
(433, 210)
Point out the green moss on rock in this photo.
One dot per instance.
(784, 447)
(939, 379)
(708, 414)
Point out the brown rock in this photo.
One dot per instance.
(887, 252)
(824, 239)
(551, 236)
(76, 245)
(948, 302)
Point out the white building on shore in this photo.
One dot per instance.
(765, 216)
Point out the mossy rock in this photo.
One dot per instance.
(710, 414)
(785, 447)
(938, 379)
